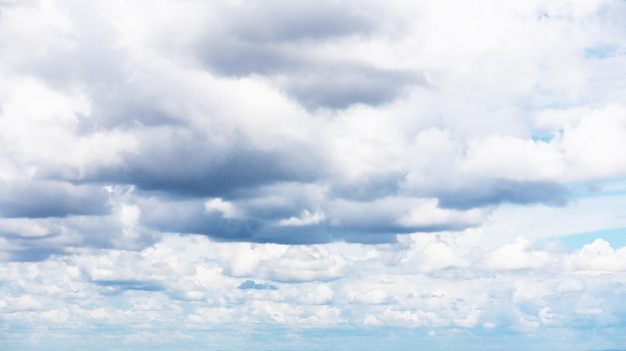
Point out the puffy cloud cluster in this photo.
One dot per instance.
(445, 282)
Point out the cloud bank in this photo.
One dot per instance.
(300, 120)
(444, 284)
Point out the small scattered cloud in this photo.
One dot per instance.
(307, 218)
(218, 205)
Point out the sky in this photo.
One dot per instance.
(328, 175)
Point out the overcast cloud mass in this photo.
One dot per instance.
(312, 175)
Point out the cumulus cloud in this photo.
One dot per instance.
(193, 282)
(598, 256)
(518, 255)
(329, 110)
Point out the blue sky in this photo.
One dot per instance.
(329, 175)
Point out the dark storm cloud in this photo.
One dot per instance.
(39, 199)
(503, 191)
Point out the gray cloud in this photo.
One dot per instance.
(502, 191)
(191, 217)
(376, 221)
(280, 21)
(33, 254)
(371, 188)
(265, 40)
(313, 83)
(183, 161)
(40, 199)
(341, 87)
(236, 58)
(35, 239)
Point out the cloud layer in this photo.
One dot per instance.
(443, 283)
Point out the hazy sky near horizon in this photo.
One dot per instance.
(312, 175)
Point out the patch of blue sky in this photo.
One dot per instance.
(400, 339)
(544, 138)
(542, 16)
(613, 187)
(546, 135)
(602, 52)
(616, 237)
(427, 339)
(335, 339)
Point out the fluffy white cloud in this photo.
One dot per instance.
(182, 280)
(598, 256)
(517, 256)
(513, 158)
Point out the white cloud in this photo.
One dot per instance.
(590, 145)
(307, 218)
(517, 256)
(513, 158)
(43, 135)
(598, 256)
(217, 204)
(181, 279)
(429, 214)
